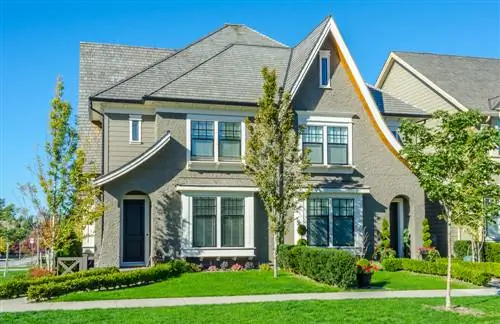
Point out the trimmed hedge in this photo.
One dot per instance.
(19, 287)
(108, 281)
(331, 266)
(459, 271)
(492, 268)
(462, 249)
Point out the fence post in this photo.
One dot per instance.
(84, 262)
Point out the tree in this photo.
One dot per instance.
(453, 165)
(69, 199)
(12, 229)
(384, 249)
(426, 234)
(274, 161)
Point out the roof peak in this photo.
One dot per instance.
(447, 55)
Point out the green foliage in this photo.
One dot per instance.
(301, 241)
(274, 160)
(265, 267)
(384, 249)
(463, 248)
(301, 229)
(19, 287)
(73, 247)
(492, 268)
(108, 281)
(330, 266)
(426, 233)
(459, 271)
(13, 227)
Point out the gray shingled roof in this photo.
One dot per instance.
(301, 52)
(163, 72)
(237, 68)
(392, 106)
(470, 80)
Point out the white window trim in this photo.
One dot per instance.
(187, 249)
(132, 118)
(215, 164)
(326, 122)
(301, 217)
(322, 55)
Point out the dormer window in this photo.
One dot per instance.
(324, 69)
(135, 131)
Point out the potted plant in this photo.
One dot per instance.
(364, 272)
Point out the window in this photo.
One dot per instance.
(318, 221)
(335, 215)
(337, 145)
(312, 139)
(324, 69)
(204, 221)
(229, 141)
(232, 214)
(202, 140)
(135, 122)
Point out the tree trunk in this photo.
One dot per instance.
(275, 254)
(448, 276)
(6, 265)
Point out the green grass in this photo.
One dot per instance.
(12, 275)
(404, 280)
(342, 311)
(253, 283)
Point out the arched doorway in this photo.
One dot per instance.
(398, 221)
(134, 229)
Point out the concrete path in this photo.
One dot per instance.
(21, 305)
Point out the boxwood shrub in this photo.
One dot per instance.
(462, 249)
(330, 266)
(107, 281)
(459, 270)
(19, 287)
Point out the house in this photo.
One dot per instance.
(431, 82)
(164, 132)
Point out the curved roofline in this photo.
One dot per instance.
(128, 167)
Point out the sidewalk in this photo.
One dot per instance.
(21, 305)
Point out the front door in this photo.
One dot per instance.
(134, 230)
(394, 223)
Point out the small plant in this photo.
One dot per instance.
(37, 272)
(363, 266)
(212, 268)
(224, 265)
(265, 267)
(426, 234)
(249, 265)
(237, 267)
(429, 254)
(407, 242)
(301, 229)
(193, 267)
(384, 249)
(302, 241)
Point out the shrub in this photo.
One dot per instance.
(212, 268)
(193, 267)
(384, 249)
(492, 268)
(429, 253)
(237, 267)
(38, 272)
(392, 264)
(426, 233)
(249, 265)
(302, 242)
(107, 281)
(19, 287)
(224, 265)
(265, 267)
(301, 229)
(331, 266)
(463, 248)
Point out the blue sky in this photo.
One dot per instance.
(40, 40)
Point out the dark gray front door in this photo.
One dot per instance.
(393, 221)
(133, 230)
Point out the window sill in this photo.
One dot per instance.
(135, 143)
(331, 168)
(326, 87)
(214, 252)
(215, 166)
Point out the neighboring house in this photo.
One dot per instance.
(432, 82)
(164, 131)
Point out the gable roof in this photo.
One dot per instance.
(467, 82)
(163, 72)
(389, 105)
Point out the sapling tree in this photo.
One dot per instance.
(453, 165)
(274, 161)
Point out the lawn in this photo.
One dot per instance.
(342, 311)
(253, 283)
(12, 275)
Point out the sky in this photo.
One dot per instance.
(39, 40)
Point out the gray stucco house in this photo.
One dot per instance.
(431, 82)
(164, 131)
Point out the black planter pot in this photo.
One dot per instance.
(364, 280)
